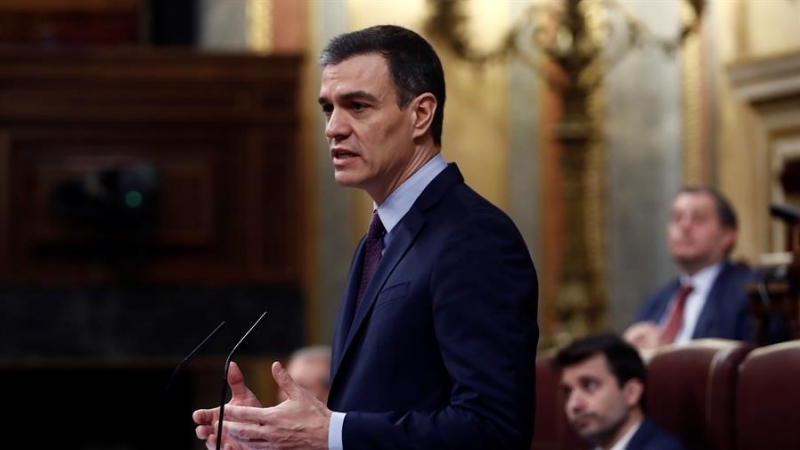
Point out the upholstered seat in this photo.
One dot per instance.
(768, 398)
(691, 391)
(551, 430)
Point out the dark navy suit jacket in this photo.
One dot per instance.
(650, 436)
(441, 353)
(726, 313)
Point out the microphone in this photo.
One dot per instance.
(191, 355)
(225, 379)
(788, 213)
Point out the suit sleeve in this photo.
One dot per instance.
(484, 296)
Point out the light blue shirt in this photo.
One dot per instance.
(391, 211)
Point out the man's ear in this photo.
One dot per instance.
(633, 391)
(729, 236)
(423, 109)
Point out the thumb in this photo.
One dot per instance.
(236, 380)
(285, 381)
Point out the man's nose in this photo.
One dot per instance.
(337, 126)
(576, 402)
(686, 221)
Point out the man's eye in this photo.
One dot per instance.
(327, 109)
(359, 106)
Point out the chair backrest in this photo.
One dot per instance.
(551, 430)
(768, 398)
(691, 391)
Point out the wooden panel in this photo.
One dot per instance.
(219, 132)
(74, 22)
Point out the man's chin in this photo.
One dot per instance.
(592, 434)
(583, 431)
(686, 260)
(345, 178)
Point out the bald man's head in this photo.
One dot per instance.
(310, 368)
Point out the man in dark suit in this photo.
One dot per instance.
(603, 381)
(708, 299)
(435, 342)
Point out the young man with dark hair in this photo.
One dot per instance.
(603, 380)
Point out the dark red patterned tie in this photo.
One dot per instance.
(373, 247)
(676, 318)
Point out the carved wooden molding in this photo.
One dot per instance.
(221, 131)
(771, 87)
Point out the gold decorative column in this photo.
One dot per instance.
(572, 45)
(259, 25)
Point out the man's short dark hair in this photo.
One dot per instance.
(413, 64)
(623, 359)
(725, 212)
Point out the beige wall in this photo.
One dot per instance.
(747, 30)
(475, 125)
(477, 136)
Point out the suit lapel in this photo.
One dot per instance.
(705, 322)
(348, 306)
(403, 237)
(642, 437)
(406, 232)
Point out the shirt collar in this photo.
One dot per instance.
(400, 200)
(702, 280)
(623, 442)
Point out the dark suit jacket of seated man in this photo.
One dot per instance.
(726, 313)
(701, 234)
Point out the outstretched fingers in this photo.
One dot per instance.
(285, 382)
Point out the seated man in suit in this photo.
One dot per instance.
(310, 368)
(603, 379)
(708, 299)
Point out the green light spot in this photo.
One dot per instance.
(133, 199)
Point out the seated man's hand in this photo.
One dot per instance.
(643, 335)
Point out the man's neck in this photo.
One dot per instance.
(634, 419)
(692, 269)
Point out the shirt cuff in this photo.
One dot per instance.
(335, 431)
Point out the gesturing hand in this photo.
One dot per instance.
(301, 422)
(206, 419)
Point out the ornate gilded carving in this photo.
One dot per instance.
(572, 45)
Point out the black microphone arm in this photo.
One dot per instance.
(191, 355)
(787, 213)
(225, 379)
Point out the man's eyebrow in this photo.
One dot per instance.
(349, 96)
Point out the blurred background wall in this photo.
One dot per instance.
(249, 217)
